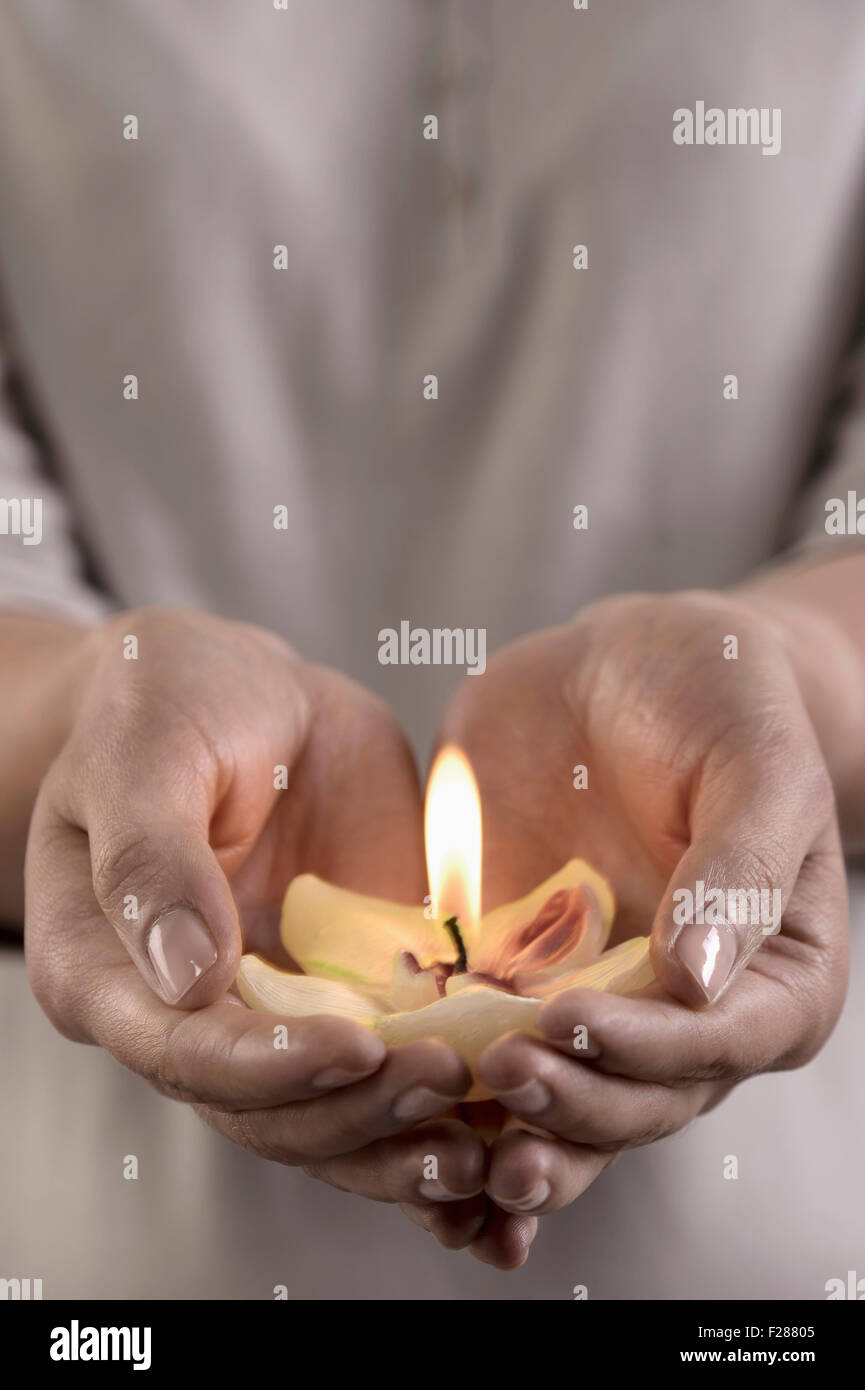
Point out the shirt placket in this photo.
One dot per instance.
(459, 89)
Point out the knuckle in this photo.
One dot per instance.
(340, 1136)
(122, 864)
(324, 1172)
(246, 1128)
(669, 1114)
(731, 1053)
(651, 1130)
(794, 766)
(816, 791)
(759, 866)
(817, 1003)
(104, 736)
(201, 1062)
(768, 865)
(707, 1069)
(171, 1066)
(55, 981)
(59, 999)
(50, 797)
(121, 1033)
(777, 737)
(705, 1052)
(317, 1171)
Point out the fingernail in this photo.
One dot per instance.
(180, 949)
(432, 1190)
(337, 1076)
(708, 955)
(530, 1098)
(420, 1103)
(536, 1198)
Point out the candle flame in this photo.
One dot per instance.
(453, 841)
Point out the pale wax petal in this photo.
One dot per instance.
(339, 935)
(263, 987)
(618, 971)
(566, 934)
(503, 921)
(411, 987)
(468, 1021)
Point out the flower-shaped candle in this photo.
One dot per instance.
(445, 971)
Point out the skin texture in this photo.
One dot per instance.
(163, 788)
(157, 779)
(698, 768)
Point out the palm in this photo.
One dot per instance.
(351, 813)
(524, 740)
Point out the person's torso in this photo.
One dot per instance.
(307, 387)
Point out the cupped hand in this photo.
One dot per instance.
(702, 768)
(202, 771)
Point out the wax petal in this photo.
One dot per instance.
(263, 987)
(567, 934)
(469, 1018)
(468, 1021)
(411, 987)
(621, 969)
(344, 936)
(508, 919)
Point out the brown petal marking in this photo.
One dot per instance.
(413, 987)
(550, 937)
(443, 973)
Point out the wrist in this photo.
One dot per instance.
(829, 668)
(44, 665)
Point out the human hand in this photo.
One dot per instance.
(699, 769)
(159, 850)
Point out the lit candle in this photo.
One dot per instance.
(454, 974)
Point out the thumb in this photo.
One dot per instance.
(158, 882)
(751, 829)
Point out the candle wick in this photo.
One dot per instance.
(462, 961)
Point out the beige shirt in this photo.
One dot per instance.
(303, 387)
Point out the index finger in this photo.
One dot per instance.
(92, 991)
(754, 824)
(776, 1015)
